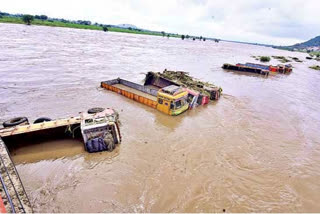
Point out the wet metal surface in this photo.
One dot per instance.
(255, 150)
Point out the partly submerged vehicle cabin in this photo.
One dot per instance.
(171, 100)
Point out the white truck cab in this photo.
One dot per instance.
(100, 131)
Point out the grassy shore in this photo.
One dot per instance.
(17, 20)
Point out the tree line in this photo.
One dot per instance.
(28, 19)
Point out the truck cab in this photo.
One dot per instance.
(172, 100)
(100, 131)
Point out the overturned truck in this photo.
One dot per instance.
(199, 92)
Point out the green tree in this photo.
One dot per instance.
(43, 17)
(200, 38)
(105, 29)
(168, 35)
(163, 33)
(27, 19)
(193, 39)
(182, 37)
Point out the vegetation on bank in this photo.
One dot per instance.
(46, 21)
(35, 21)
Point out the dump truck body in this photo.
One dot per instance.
(132, 91)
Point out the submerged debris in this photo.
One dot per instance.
(184, 79)
(315, 67)
(282, 59)
(256, 57)
(261, 58)
(295, 59)
(265, 59)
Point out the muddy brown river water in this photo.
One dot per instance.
(255, 150)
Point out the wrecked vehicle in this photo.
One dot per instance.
(199, 92)
(98, 129)
(171, 100)
(259, 68)
(171, 92)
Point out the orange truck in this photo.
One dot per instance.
(171, 100)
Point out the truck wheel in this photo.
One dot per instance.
(42, 119)
(95, 110)
(16, 121)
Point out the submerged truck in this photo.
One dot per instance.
(171, 100)
(171, 92)
(98, 130)
(199, 92)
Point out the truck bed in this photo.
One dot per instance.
(134, 91)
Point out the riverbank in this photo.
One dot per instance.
(17, 20)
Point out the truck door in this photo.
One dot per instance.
(166, 107)
(163, 106)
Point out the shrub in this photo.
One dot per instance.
(264, 59)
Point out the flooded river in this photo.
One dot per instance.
(255, 150)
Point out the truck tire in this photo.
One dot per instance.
(95, 110)
(42, 119)
(16, 121)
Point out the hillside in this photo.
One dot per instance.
(315, 42)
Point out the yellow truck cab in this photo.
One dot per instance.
(172, 100)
